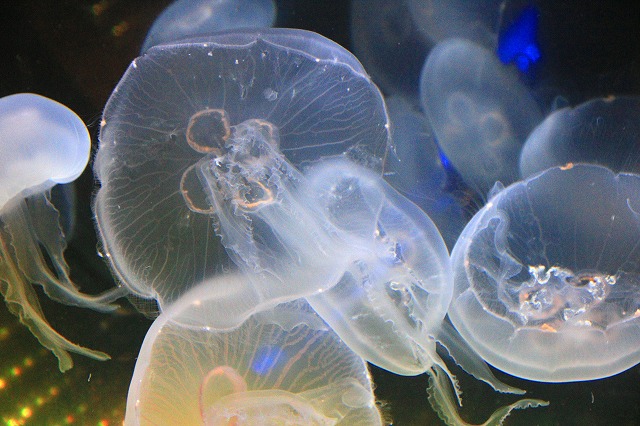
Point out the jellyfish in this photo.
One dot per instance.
(546, 275)
(43, 144)
(602, 131)
(440, 20)
(480, 112)
(179, 113)
(281, 366)
(187, 19)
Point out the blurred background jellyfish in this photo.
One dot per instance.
(42, 143)
(602, 131)
(546, 276)
(479, 110)
(439, 20)
(188, 103)
(281, 366)
(188, 18)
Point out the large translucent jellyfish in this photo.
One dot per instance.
(602, 131)
(191, 18)
(42, 143)
(185, 105)
(546, 276)
(281, 366)
(480, 111)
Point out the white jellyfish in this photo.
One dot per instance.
(42, 144)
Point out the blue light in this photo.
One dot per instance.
(265, 359)
(445, 161)
(518, 42)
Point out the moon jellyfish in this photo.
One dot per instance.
(42, 143)
(479, 110)
(189, 109)
(281, 366)
(603, 131)
(190, 18)
(546, 276)
(439, 20)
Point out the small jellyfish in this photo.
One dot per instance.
(480, 112)
(602, 131)
(185, 19)
(281, 366)
(42, 143)
(249, 99)
(546, 276)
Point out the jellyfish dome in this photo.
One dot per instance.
(281, 366)
(546, 276)
(57, 150)
(480, 111)
(603, 131)
(188, 18)
(42, 143)
(183, 108)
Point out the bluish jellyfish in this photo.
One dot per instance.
(418, 169)
(546, 276)
(42, 144)
(188, 110)
(479, 110)
(602, 131)
(281, 366)
(191, 18)
(518, 43)
(439, 20)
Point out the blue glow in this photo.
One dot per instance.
(518, 42)
(445, 161)
(265, 359)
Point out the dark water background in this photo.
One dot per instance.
(76, 51)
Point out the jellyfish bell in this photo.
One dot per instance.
(185, 111)
(55, 154)
(188, 18)
(480, 112)
(282, 365)
(600, 131)
(43, 143)
(545, 276)
(397, 287)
